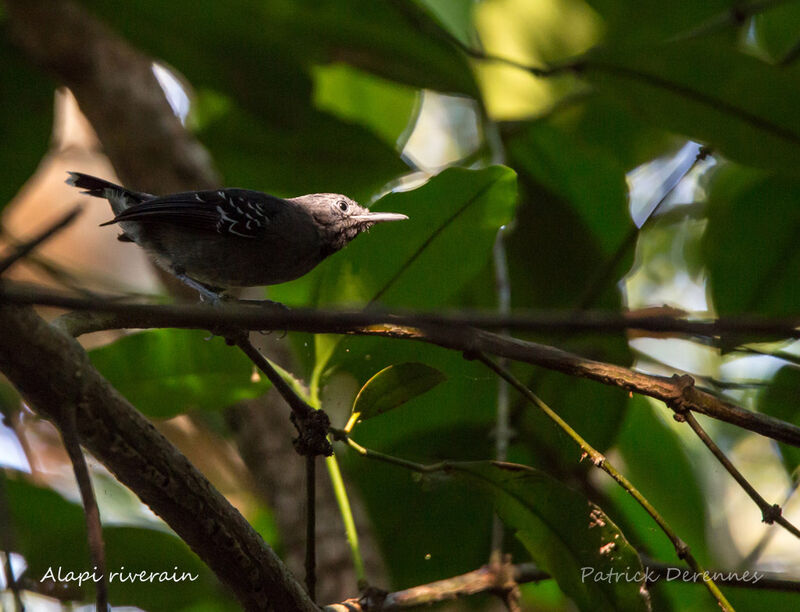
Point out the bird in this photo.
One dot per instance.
(218, 239)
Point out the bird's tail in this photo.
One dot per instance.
(119, 197)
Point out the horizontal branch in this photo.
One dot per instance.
(249, 317)
(53, 374)
(441, 330)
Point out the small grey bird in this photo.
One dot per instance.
(212, 240)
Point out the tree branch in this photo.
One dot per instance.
(450, 332)
(50, 370)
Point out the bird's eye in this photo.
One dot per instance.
(343, 206)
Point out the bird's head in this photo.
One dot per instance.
(340, 219)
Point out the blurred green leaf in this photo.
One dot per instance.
(780, 400)
(730, 101)
(748, 211)
(393, 386)
(169, 371)
(777, 31)
(646, 21)
(47, 543)
(591, 181)
(25, 125)
(456, 17)
(567, 535)
(758, 600)
(549, 271)
(449, 534)
(608, 126)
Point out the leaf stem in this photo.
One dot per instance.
(347, 516)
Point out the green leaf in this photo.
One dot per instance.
(566, 534)
(453, 220)
(646, 21)
(780, 400)
(590, 180)
(166, 372)
(740, 106)
(393, 386)
(777, 31)
(384, 107)
(747, 212)
(26, 133)
(456, 17)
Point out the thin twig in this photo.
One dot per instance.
(312, 425)
(599, 461)
(770, 513)
(311, 524)
(94, 529)
(755, 553)
(26, 247)
(296, 403)
(502, 428)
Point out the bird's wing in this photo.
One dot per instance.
(238, 212)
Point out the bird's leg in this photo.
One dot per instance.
(206, 294)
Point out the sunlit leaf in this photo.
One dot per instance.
(384, 107)
(392, 387)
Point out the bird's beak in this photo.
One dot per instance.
(379, 217)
